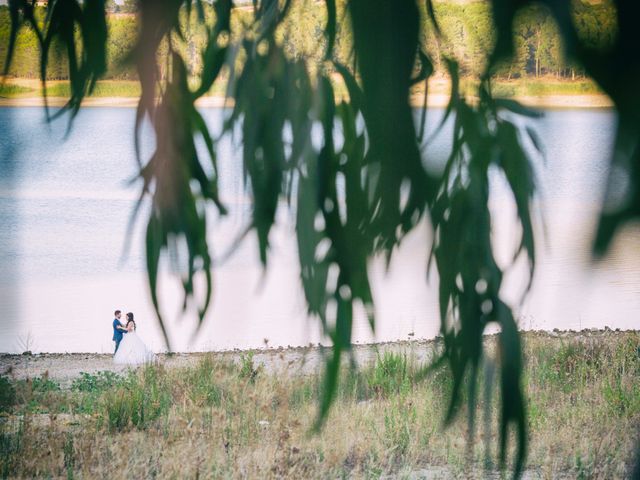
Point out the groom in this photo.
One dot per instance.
(118, 329)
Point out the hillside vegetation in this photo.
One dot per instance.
(467, 29)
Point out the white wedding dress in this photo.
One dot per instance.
(133, 351)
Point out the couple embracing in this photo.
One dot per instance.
(130, 349)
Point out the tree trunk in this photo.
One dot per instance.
(538, 55)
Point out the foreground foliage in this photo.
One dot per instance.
(213, 420)
(363, 182)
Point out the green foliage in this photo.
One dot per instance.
(203, 385)
(130, 6)
(390, 375)
(573, 384)
(622, 399)
(98, 382)
(399, 427)
(247, 368)
(467, 26)
(139, 403)
(10, 90)
(44, 384)
(360, 184)
(303, 394)
(7, 394)
(11, 445)
(69, 456)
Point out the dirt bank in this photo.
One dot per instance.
(435, 100)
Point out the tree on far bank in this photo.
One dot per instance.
(111, 6)
(129, 6)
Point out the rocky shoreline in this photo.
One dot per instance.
(64, 367)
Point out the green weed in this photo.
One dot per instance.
(44, 384)
(247, 368)
(139, 403)
(7, 394)
(202, 384)
(399, 420)
(96, 382)
(11, 90)
(389, 375)
(622, 399)
(69, 456)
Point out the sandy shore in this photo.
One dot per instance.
(435, 100)
(126, 102)
(64, 367)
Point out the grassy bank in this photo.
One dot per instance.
(544, 87)
(25, 88)
(16, 88)
(233, 419)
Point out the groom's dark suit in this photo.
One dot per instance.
(117, 333)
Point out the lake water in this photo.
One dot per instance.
(65, 204)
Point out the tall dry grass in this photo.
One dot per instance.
(222, 419)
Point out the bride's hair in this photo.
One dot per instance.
(130, 320)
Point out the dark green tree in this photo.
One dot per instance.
(129, 6)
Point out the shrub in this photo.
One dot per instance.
(44, 384)
(139, 402)
(202, 383)
(389, 375)
(247, 368)
(622, 399)
(96, 383)
(7, 394)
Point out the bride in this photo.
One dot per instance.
(132, 350)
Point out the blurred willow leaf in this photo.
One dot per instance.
(364, 196)
(513, 406)
(516, 107)
(262, 103)
(342, 198)
(355, 92)
(214, 55)
(385, 40)
(62, 18)
(178, 217)
(470, 279)
(426, 68)
(20, 12)
(330, 28)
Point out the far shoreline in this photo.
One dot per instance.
(551, 101)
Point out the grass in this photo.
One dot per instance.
(20, 88)
(524, 87)
(223, 419)
(11, 90)
(530, 87)
(105, 88)
(543, 87)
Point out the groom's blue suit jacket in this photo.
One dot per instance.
(117, 333)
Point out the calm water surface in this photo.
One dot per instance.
(65, 204)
